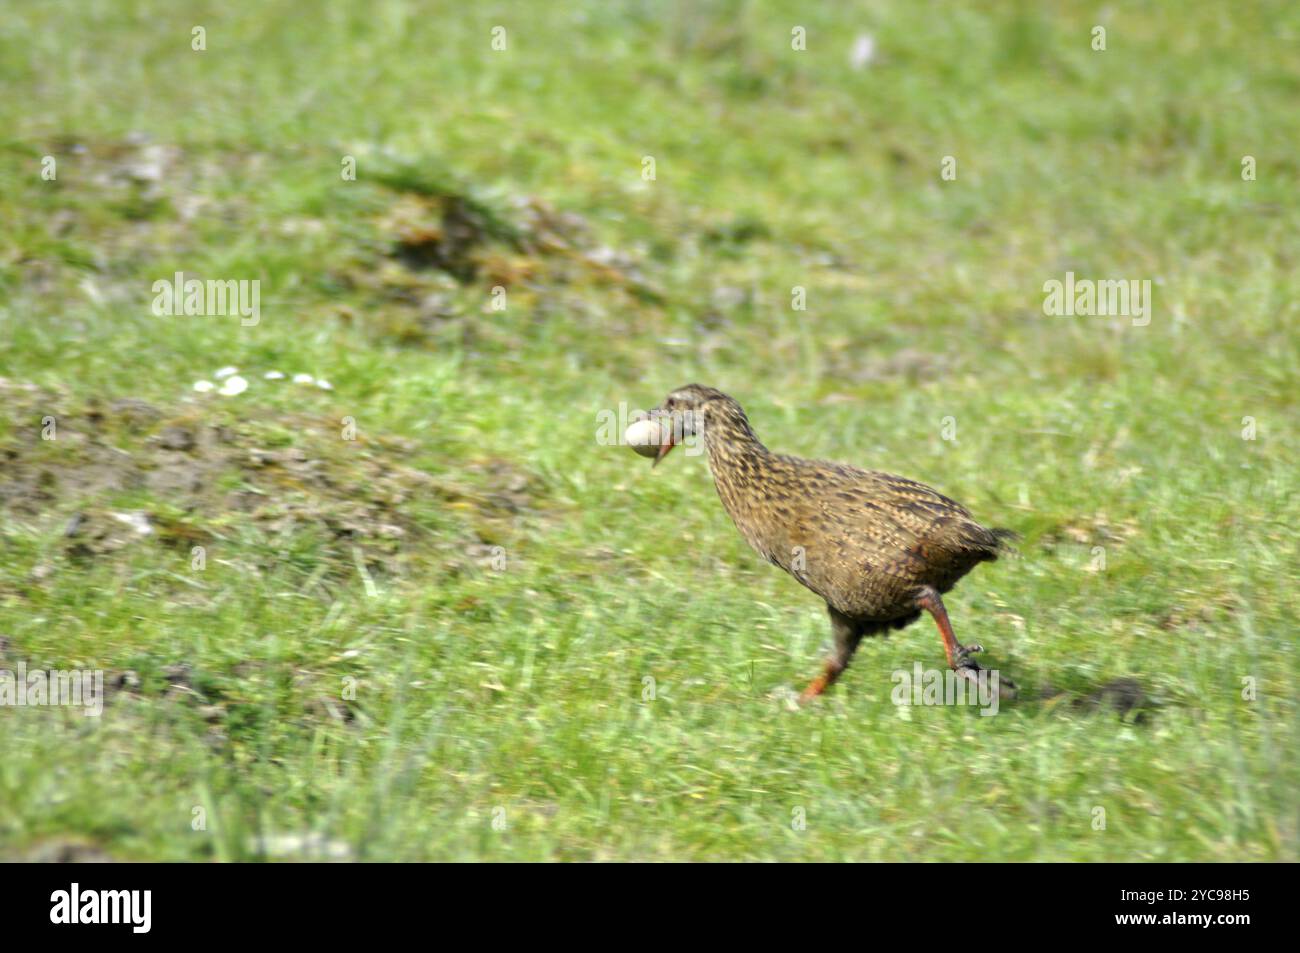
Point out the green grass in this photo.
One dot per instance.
(519, 694)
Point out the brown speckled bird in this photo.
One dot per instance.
(878, 548)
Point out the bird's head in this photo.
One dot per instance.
(687, 413)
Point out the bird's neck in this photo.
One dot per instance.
(731, 441)
(743, 471)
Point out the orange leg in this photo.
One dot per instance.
(847, 636)
(958, 654)
(818, 684)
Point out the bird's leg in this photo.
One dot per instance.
(959, 656)
(847, 636)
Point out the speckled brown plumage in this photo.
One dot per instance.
(880, 549)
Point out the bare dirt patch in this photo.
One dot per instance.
(105, 476)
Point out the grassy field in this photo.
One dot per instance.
(427, 614)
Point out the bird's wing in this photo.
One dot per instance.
(904, 515)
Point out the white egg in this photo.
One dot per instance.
(644, 436)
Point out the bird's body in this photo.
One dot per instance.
(863, 540)
(878, 548)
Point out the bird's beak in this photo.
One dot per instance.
(664, 447)
(667, 432)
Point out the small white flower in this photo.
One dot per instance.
(302, 378)
(233, 386)
(274, 375)
(225, 372)
(864, 51)
(324, 384)
(203, 386)
(137, 521)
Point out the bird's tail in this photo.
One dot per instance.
(1005, 537)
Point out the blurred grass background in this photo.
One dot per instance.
(500, 713)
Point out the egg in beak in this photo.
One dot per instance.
(669, 427)
(665, 446)
(656, 433)
(651, 435)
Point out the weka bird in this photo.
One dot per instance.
(878, 548)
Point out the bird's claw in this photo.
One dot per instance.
(967, 668)
(964, 665)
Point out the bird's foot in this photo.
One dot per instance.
(967, 668)
(962, 661)
(814, 689)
